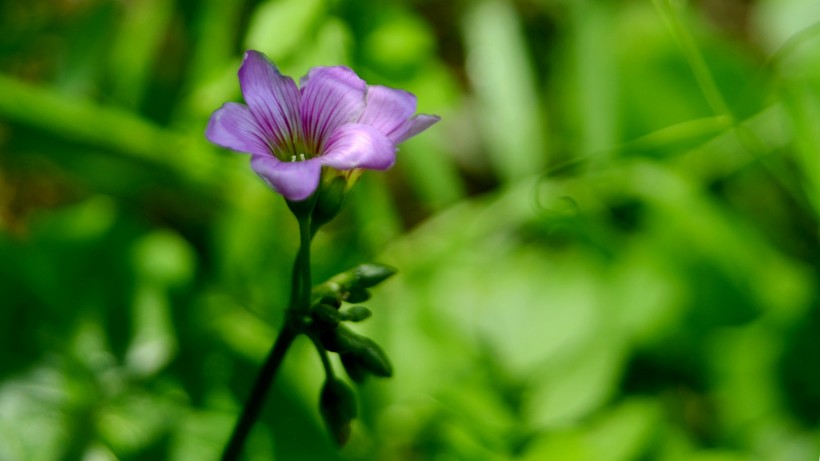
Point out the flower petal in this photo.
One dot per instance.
(359, 146)
(331, 96)
(234, 127)
(294, 180)
(413, 126)
(387, 109)
(273, 99)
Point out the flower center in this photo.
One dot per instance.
(301, 158)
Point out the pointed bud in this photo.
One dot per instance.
(372, 357)
(355, 370)
(329, 316)
(351, 285)
(331, 300)
(342, 340)
(356, 314)
(357, 295)
(370, 275)
(327, 293)
(337, 404)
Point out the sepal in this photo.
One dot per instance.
(331, 196)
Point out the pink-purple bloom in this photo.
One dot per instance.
(335, 120)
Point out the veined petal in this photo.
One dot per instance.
(412, 127)
(387, 109)
(294, 180)
(273, 99)
(359, 146)
(234, 127)
(331, 96)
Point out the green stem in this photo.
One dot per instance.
(302, 295)
(260, 389)
(295, 324)
(324, 356)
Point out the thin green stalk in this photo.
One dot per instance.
(324, 356)
(260, 390)
(302, 301)
(293, 327)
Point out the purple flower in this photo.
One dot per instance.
(335, 119)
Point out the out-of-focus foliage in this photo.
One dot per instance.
(608, 248)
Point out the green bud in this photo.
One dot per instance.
(331, 300)
(363, 276)
(337, 404)
(327, 293)
(353, 367)
(342, 340)
(373, 358)
(356, 295)
(356, 314)
(327, 315)
(370, 275)
(351, 285)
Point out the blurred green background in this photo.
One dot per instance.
(608, 247)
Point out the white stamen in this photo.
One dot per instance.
(292, 158)
(302, 156)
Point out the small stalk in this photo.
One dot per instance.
(260, 390)
(294, 325)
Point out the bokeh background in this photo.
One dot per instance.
(608, 247)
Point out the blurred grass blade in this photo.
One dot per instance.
(680, 132)
(278, 27)
(103, 127)
(504, 81)
(136, 46)
(670, 13)
(594, 83)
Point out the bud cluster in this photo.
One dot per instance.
(360, 356)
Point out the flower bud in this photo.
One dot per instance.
(327, 293)
(372, 357)
(356, 314)
(342, 340)
(337, 405)
(355, 370)
(356, 295)
(363, 276)
(370, 275)
(331, 300)
(326, 315)
(351, 285)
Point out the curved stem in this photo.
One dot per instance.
(260, 390)
(294, 325)
(324, 356)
